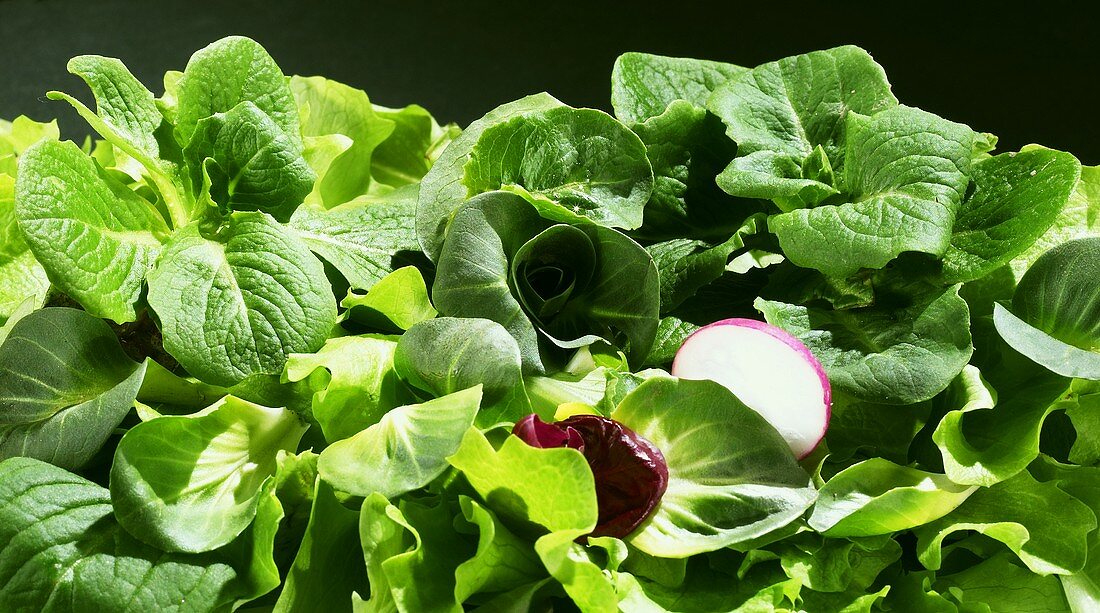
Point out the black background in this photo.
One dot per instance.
(1026, 74)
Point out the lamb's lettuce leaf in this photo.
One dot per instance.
(1055, 315)
(445, 355)
(65, 385)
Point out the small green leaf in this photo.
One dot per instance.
(530, 489)
(329, 107)
(21, 276)
(503, 561)
(411, 554)
(226, 73)
(417, 140)
(228, 311)
(404, 451)
(362, 384)
(1040, 523)
(258, 166)
(95, 237)
(397, 302)
(327, 568)
(731, 476)
(205, 492)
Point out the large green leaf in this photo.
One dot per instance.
(731, 476)
(329, 107)
(404, 451)
(879, 497)
(644, 85)
(65, 385)
(904, 175)
(228, 311)
(1002, 585)
(573, 165)
(194, 483)
(95, 237)
(365, 239)
(445, 355)
(226, 73)
(442, 191)
(63, 551)
(1016, 198)
(243, 161)
(584, 571)
(361, 383)
(1040, 523)
(789, 120)
(900, 355)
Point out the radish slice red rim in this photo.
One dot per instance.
(769, 370)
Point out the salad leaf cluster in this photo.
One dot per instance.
(267, 345)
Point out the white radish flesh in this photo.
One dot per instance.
(769, 370)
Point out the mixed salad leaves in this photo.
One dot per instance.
(267, 345)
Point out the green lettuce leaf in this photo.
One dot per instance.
(897, 354)
(228, 311)
(396, 303)
(95, 237)
(407, 449)
(644, 85)
(207, 491)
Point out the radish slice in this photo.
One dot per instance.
(769, 370)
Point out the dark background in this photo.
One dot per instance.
(1026, 74)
